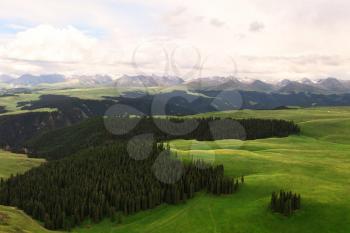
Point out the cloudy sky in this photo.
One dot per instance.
(266, 39)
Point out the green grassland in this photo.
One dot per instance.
(93, 93)
(18, 222)
(315, 164)
(297, 115)
(98, 93)
(11, 219)
(16, 163)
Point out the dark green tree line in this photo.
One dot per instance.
(285, 202)
(101, 182)
(92, 132)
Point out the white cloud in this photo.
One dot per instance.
(47, 43)
(217, 22)
(46, 48)
(256, 26)
(296, 38)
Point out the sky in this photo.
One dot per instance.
(255, 39)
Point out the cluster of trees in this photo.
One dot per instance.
(105, 181)
(92, 174)
(203, 129)
(212, 128)
(60, 143)
(2, 109)
(285, 202)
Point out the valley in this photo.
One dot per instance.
(123, 116)
(315, 164)
(183, 100)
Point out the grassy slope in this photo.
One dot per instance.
(17, 221)
(316, 164)
(10, 102)
(14, 163)
(297, 115)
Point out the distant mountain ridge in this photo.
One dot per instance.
(6, 78)
(323, 86)
(29, 80)
(32, 80)
(90, 80)
(329, 85)
(148, 81)
(334, 84)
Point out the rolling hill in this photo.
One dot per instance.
(311, 164)
(11, 219)
(315, 164)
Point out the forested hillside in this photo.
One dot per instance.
(97, 131)
(16, 129)
(2, 109)
(118, 164)
(100, 182)
(67, 110)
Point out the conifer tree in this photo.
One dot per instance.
(285, 202)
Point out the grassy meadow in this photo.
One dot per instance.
(11, 102)
(16, 163)
(11, 219)
(315, 164)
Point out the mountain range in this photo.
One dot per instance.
(329, 85)
(323, 86)
(29, 80)
(148, 81)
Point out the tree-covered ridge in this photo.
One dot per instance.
(70, 106)
(118, 163)
(99, 182)
(97, 131)
(2, 109)
(67, 111)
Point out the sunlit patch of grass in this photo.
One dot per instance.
(15, 220)
(315, 164)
